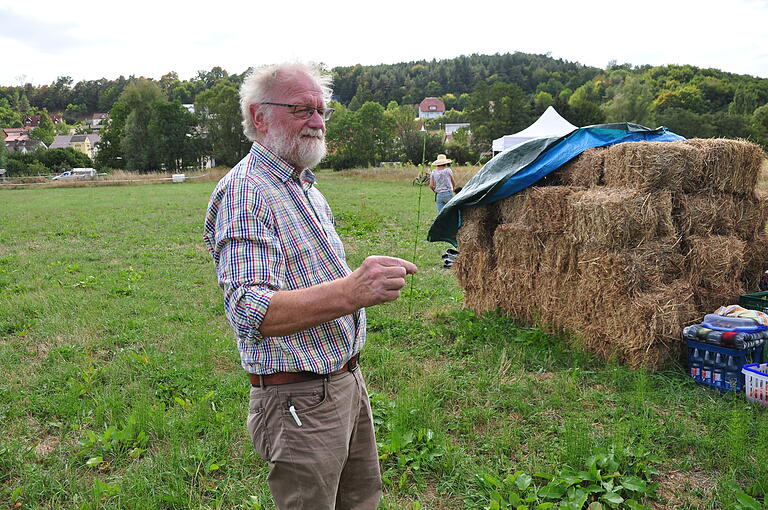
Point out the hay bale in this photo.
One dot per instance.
(714, 213)
(664, 313)
(555, 297)
(479, 300)
(708, 300)
(622, 267)
(649, 166)
(486, 215)
(540, 208)
(476, 254)
(586, 170)
(755, 262)
(646, 268)
(643, 331)
(474, 233)
(714, 262)
(729, 166)
(615, 218)
(519, 251)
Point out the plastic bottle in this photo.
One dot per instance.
(706, 368)
(731, 374)
(696, 364)
(717, 371)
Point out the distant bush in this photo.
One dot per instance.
(59, 160)
(45, 162)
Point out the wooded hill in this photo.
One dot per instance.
(496, 94)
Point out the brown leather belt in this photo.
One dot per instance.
(294, 377)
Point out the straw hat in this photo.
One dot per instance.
(441, 160)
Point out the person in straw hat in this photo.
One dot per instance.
(441, 181)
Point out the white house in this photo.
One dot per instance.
(431, 107)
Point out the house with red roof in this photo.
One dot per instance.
(431, 107)
(33, 121)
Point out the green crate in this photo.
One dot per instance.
(756, 301)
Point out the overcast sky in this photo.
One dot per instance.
(43, 39)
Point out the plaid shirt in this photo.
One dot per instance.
(268, 231)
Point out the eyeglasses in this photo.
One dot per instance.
(301, 111)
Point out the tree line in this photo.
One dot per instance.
(149, 129)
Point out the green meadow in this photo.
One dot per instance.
(121, 385)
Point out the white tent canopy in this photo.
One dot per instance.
(549, 124)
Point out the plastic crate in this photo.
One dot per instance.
(741, 357)
(755, 301)
(756, 382)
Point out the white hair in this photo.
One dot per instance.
(259, 84)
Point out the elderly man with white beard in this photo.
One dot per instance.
(297, 310)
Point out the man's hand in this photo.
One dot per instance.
(378, 280)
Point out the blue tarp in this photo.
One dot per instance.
(522, 166)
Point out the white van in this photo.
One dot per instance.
(77, 173)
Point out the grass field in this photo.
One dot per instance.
(121, 385)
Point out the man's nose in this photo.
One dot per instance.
(316, 120)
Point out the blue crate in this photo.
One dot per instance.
(741, 356)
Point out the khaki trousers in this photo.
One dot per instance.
(330, 462)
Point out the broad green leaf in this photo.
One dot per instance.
(571, 480)
(577, 496)
(523, 481)
(544, 506)
(552, 491)
(94, 461)
(748, 501)
(612, 498)
(595, 505)
(634, 483)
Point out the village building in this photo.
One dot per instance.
(451, 128)
(85, 143)
(33, 121)
(431, 107)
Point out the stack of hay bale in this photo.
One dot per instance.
(623, 246)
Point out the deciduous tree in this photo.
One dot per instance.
(44, 130)
(219, 110)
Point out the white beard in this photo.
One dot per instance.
(304, 151)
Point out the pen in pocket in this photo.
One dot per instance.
(292, 410)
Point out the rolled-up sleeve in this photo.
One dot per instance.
(248, 257)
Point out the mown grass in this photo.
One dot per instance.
(122, 388)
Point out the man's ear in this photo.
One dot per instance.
(257, 118)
